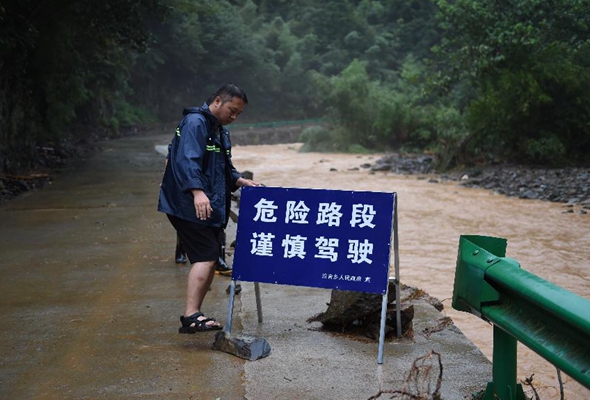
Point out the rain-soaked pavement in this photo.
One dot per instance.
(90, 298)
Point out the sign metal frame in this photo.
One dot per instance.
(289, 214)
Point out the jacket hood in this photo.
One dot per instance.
(204, 109)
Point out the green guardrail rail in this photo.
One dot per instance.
(278, 124)
(546, 318)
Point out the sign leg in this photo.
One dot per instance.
(398, 306)
(258, 301)
(382, 328)
(230, 311)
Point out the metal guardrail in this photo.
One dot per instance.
(278, 124)
(548, 319)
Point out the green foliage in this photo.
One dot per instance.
(320, 139)
(63, 62)
(275, 50)
(126, 116)
(452, 139)
(351, 99)
(373, 115)
(470, 80)
(358, 149)
(548, 147)
(531, 71)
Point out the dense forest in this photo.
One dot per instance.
(470, 81)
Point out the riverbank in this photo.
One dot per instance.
(562, 185)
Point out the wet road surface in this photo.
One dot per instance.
(90, 298)
(90, 295)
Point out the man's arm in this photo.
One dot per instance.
(247, 182)
(191, 153)
(189, 164)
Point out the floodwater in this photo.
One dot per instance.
(431, 216)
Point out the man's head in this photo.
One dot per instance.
(227, 103)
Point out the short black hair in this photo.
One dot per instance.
(228, 91)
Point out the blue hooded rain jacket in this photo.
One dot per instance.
(199, 157)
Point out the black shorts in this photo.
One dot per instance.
(201, 242)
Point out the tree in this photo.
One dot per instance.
(529, 62)
(63, 61)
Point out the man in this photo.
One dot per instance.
(196, 192)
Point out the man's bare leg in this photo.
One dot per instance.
(199, 279)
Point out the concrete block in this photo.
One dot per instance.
(247, 347)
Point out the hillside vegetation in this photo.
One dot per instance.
(469, 81)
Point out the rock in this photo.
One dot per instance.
(528, 194)
(360, 313)
(346, 307)
(381, 167)
(436, 303)
(549, 184)
(238, 289)
(246, 347)
(372, 330)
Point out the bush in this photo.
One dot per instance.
(320, 139)
(358, 149)
(547, 148)
(452, 138)
(124, 115)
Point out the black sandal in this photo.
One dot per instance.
(193, 324)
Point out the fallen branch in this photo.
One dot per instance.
(561, 393)
(529, 382)
(418, 383)
(440, 325)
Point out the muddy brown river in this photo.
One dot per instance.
(547, 242)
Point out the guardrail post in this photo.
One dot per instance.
(471, 293)
(504, 384)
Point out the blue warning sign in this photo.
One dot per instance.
(329, 239)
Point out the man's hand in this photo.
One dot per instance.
(247, 182)
(202, 205)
